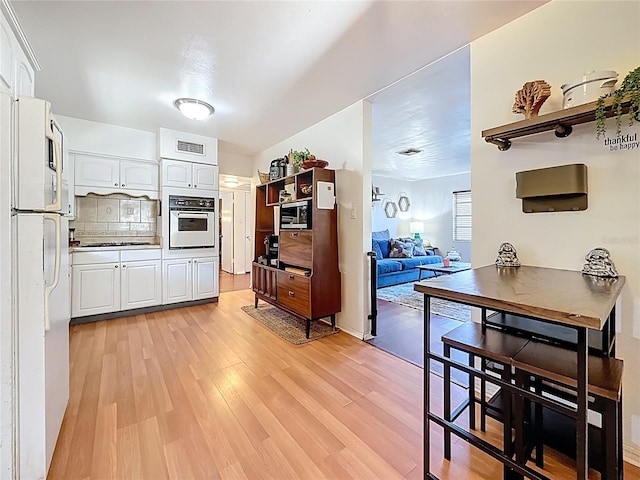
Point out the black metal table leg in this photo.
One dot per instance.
(427, 387)
(255, 302)
(333, 321)
(472, 395)
(582, 426)
(447, 401)
(308, 327)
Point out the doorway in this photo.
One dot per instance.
(416, 166)
(236, 225)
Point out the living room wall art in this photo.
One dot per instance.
(403, 202)
(390, 209)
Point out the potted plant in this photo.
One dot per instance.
(297, 158)
(629, 90)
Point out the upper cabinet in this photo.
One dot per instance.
(189, 175)
(104, 175)
(176, 145)
(17, 63)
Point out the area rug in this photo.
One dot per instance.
(287, 326)
(404, 294)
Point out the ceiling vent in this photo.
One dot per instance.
(409, 151)
(190, 147)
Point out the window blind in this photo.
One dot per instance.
(462, 216)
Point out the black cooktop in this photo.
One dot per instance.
(116, 244)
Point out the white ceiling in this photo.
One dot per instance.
(270, 68)
(428, 111)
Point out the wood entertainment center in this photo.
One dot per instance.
(306, 281)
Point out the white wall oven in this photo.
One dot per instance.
(192, 222)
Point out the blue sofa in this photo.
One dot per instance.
(392, 271)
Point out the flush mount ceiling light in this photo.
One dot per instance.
(409, 151)
(231, 182)
(194, 109)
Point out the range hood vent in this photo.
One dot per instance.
(190, 147)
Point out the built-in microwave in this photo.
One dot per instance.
(296, 215)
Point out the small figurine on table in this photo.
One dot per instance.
(507, 256)
(599, 263)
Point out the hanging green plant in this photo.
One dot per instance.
(629, 90)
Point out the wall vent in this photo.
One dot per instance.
(409, 151)
(190, 147)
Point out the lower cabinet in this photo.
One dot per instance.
(111, 281)
(188, 279)
(95, 289)
(141, 284)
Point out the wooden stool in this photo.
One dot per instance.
(493, 345)
(548, 364)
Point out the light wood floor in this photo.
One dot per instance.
(208, 392)
(231, 282)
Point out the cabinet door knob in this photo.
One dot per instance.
(116, 266)
(294, 234)
(195, 186)
(123, 184)
(291, 294)
(116, 184)
(124, 266)
(291, 277)
(195, 261)
(189, 185)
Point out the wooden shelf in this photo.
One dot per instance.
(561, 122)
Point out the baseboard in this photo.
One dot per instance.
(139, 311)
(354, 333)
(631, 454)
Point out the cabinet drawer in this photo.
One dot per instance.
(293, 292)
(295, 247)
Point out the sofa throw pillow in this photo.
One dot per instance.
(381, 235)
(375, 247)
(385, 247)
(400, 249)
(418, 248)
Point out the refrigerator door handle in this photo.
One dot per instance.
(57, 152)
(56, 272)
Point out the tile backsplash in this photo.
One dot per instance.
(115, 215)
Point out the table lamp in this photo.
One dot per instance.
(417, 228)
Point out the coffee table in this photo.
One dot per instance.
(436, 268)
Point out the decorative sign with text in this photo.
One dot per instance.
(624, 142)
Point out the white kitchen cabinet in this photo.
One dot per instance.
(188, 279)
(141, 284)
(138, 175)
(97, 172)
(177, 283)
(205, 176)
(105, 175)
(95, 289)
(16, 69)
(111, 280)
(205, 278)
(176, 173)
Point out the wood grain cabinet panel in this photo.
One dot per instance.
(296, 248)
(294, 292)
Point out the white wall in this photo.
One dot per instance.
(86, 136)
(391, 187)
(432, 203)
(343, 140)
(236, 164)
(559, 42)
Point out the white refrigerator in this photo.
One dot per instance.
(40, 277)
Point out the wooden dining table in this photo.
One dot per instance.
(561, 297)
